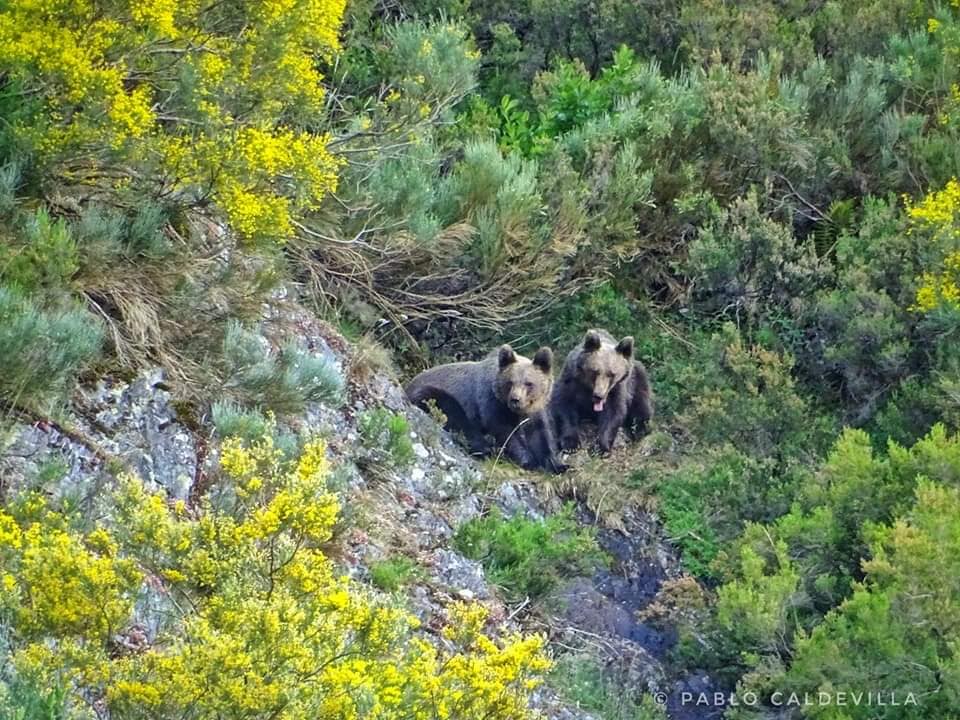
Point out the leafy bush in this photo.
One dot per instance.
(257, 621)
(527, 557)
(747, 396)
(745, 264)
(785, 580)
(706, 504)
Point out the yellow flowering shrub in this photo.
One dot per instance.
(938, 214)
(260, 622)
(210, 101)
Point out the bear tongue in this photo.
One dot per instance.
(598, 406)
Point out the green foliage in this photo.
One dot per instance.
(706, 506)
(394, 574)
(787, 581)
(282, 381)
(755, 610)
(527, 557)
(747, 396)
(47, 257)
(905, 609)
(41, 351)
(20, 700)
(387, 435)
(583, 682)
(746, 265)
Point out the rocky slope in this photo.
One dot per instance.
(132, 425)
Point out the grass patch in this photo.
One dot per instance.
(581, 681)
(527, 557)
(394, 573)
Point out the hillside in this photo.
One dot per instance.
(231, 231)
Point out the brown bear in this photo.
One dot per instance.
(492, 397)
(601, 382)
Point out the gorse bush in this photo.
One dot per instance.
(126, 84)
(260, 623)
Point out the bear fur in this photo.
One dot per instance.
(601, 382)
(491, 398)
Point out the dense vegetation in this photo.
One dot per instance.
(763, 193)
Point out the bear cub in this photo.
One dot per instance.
(602, 383)
(490, 398)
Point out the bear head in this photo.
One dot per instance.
(601, 365)
(524, 385)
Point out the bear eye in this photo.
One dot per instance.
(529, 386)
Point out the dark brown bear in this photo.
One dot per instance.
(602, 383)
(491, 398)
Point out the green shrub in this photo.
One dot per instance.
(44, 257)
(900, 630)
(746, 395)
(528, 557)
(21, 700)
(791, 575)
(706, 503)
(283, 381)
(9, 182)
(41, 352)
(745, 265)
(231, 420)
(394, 573)
(387, 435)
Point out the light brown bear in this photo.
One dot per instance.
(601, 382)
(492, 397)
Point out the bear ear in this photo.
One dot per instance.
(591, 341)
(625, 347)
(506, 356)
(543, 360)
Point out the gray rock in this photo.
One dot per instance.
(431, 529)
(136, 423)
(456, 572)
